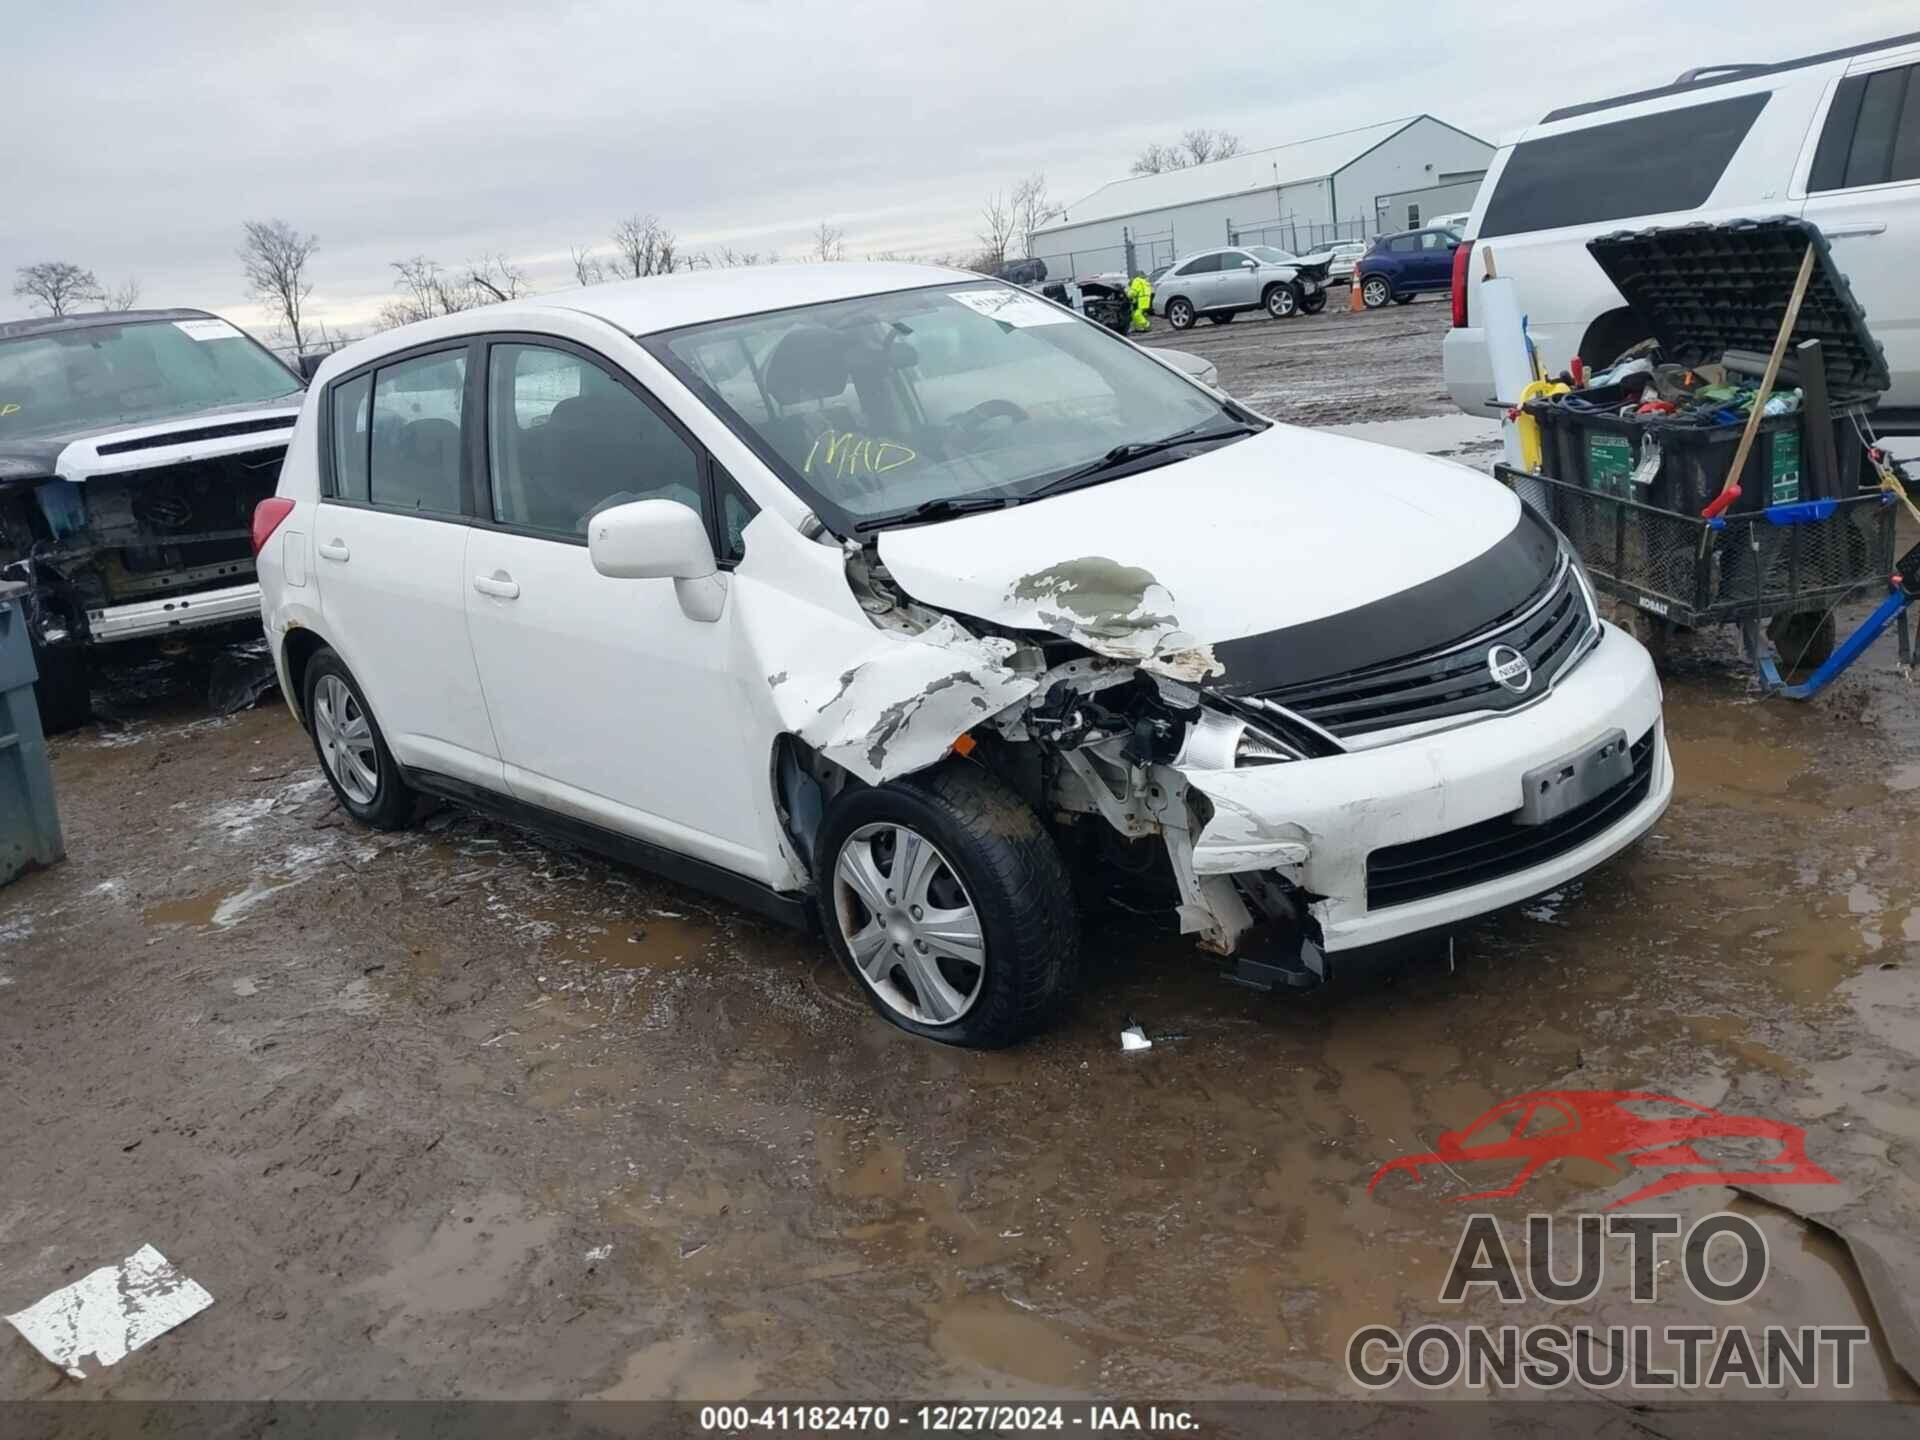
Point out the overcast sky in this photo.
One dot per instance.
(142, 135)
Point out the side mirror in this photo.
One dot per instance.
(1249, 264)
(650, 540)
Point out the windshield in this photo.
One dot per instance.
(1272, 256)
(103, 375)
(879, 406)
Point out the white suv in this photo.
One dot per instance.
(1832, 138)
(892, 598)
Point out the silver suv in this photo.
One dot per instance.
(1219, 284)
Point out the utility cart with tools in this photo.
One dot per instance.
(1726, 473)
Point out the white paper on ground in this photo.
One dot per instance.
(205, 329)
(113, 1311)
(1134, 1038)
(1013, 307)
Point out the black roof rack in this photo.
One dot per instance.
(1704, 76)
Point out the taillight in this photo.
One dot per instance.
(267, 516)
(1461, 254)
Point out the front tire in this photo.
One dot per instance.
(950, 904)
(1180, 314)
(1375, 291)
(353, 753)
(1282, 302)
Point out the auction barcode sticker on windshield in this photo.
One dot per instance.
(1012, 307)
(206, 329)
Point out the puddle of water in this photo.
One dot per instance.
(990, 1332)
(218, 909)
(685, 1368)
(466, 1261)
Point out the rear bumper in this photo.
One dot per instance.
(1322, 819)
(1468, 370)
(148, 618)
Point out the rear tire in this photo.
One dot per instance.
(982, 882)
(353, 753)
(1804, 639)
(1375, 291)
(1180, 313)
(64, 692)
(1403, 299)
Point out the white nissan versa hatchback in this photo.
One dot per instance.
(904, 598)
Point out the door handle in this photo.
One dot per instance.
(500, 585)
(334, 550)
(1864, 228)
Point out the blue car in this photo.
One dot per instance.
(1399, 267)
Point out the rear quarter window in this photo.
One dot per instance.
(1648, 165)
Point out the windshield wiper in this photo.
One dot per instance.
(944, 508)
(1121, 455)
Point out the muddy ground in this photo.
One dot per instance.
(451, 1113)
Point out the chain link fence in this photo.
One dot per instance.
(1137, 252)
(1299, 237)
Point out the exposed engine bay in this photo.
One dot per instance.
(130, 536)
(1102, 745)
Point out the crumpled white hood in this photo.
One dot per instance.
(1283, 528)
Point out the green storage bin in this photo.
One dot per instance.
(29, 821)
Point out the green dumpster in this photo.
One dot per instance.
(29, 824)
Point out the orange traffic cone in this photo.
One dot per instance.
(1354, 303)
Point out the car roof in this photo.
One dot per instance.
(667, 302)
(51, 325)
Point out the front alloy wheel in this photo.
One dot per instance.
(1179, 314)
(345, 739)
(1282, 302)
(909, 924)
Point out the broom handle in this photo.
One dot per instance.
(1730, 491)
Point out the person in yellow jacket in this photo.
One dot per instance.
(1141, 293)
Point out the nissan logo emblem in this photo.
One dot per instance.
(1509, 668)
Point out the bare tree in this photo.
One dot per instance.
(57, 286)
(274, 257)
(426, 290)
(643, 246)
(997, 222)
(497, 278)
(1204, 145)
(829, 242)
(1196, 147)
(121, 297)
(587, 268)
(1032, 208)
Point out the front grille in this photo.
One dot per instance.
(1474, 854)
(1549, 629)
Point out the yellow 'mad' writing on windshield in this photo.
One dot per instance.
(852, 453)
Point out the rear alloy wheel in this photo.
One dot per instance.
(352, 751)
(1281, 302)
(948, 901)
(1375, 292)
(1180, 314)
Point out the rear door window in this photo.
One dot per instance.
(1648, 165)
(1205, 265)
(415, 451)
(1872, 132)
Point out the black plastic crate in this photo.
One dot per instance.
(1600, 451)
(1704, 290)
(1704, 572)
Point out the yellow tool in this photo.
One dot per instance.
(1527, 427)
